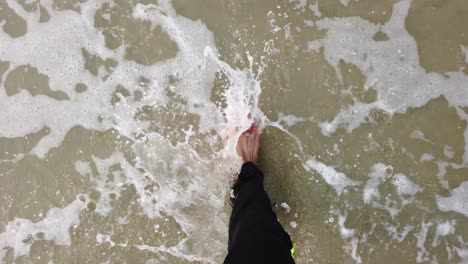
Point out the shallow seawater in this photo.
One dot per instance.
(119, 119)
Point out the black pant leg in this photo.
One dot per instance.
(255, 235)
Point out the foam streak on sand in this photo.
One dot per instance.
(337, 180)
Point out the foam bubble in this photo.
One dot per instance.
(286, 207)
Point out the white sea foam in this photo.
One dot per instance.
(423, 254)
(344, 231)
(353, 117)
(457, 201)
(390, 67)
(180, 173)
(448, 152)
(393, 204)
(20, 232)
(107, 182)
(174, 251)
(398, 236)
(314, 45)
(426, 157)
(338, 180)
(309, 22)
(104, 238)
(315, 9)
(441, 168)
(465, 51)
(443, 229)
(465, 155)
(418, 134)
(379, 173)
(299, 3)
(344, 2)
(43, 48)
(289, 120)
(463, 253)
(348, 234)
(404, 186)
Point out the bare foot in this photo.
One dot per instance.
(248, 144)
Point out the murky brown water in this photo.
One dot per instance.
(118, 121)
